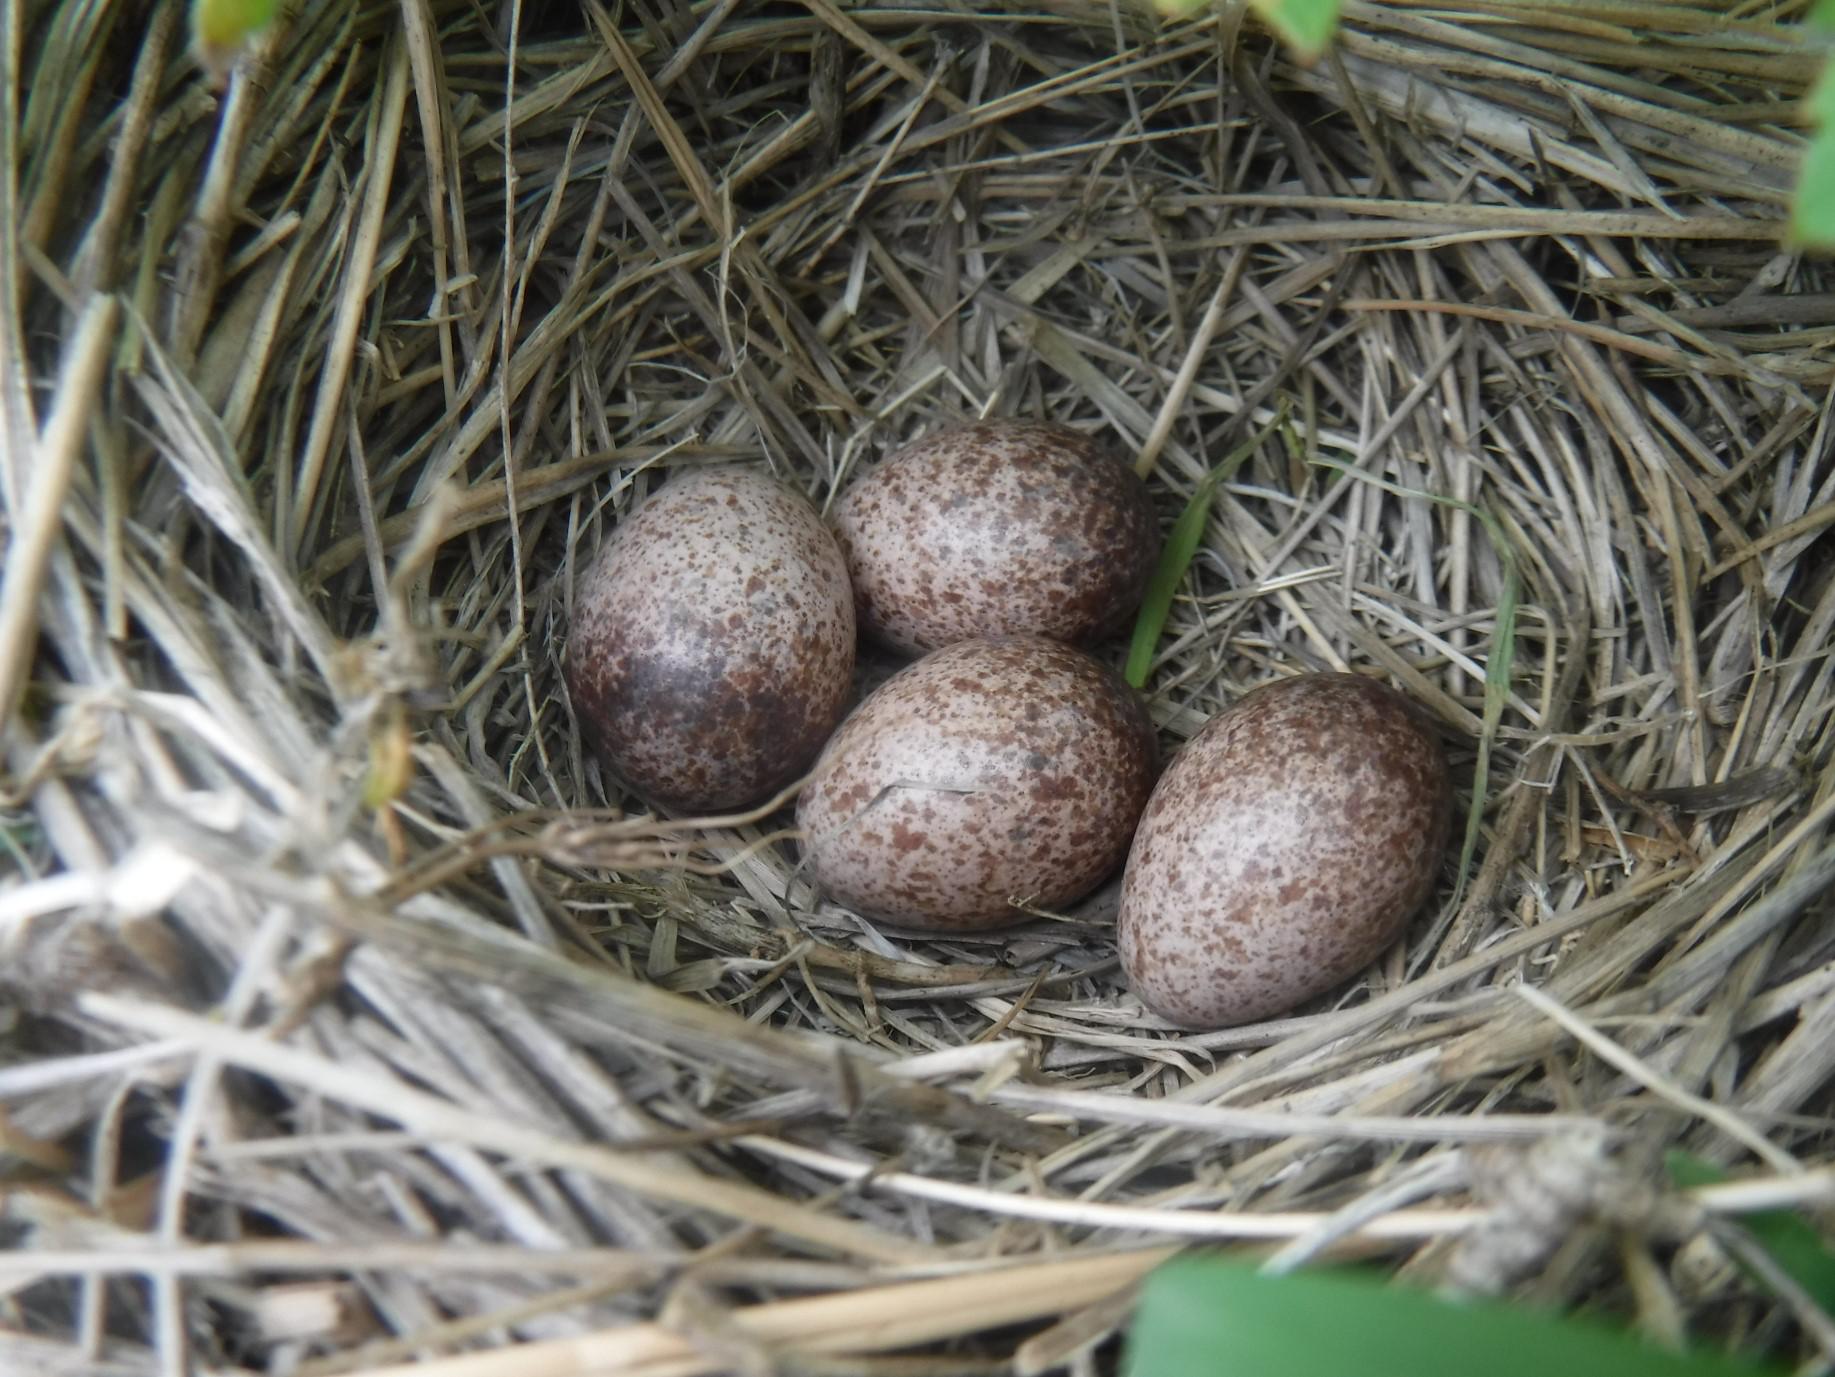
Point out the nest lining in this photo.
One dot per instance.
(341, 1033)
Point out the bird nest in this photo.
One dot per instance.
(353, 1017)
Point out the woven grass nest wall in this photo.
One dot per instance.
(338, 1035)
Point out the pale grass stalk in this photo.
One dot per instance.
(1613, 1055)
(142, 1255)
(872, 1319)
(1093, 1214)
(129, 1254)
(435, 1119)
(866, 1321)
(30, 1078)
(38, 522)
(1224, 1122)
(1174, 402)
(329, 404)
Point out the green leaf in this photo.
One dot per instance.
(224, 27)
(1199, 1316)
(1176, 557)
(1822, 15)
(1306, 26)
(1812, 211)
(1819, 100)
(1790, 1239)
(1689, 1171)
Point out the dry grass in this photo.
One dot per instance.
(336, 1037)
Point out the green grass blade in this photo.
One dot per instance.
(1791, 1240)
(1176, 556)
(1498, 666)
(1199, 1316)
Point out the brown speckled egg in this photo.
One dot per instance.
(1284, 849)
(999, 527)
(712, 645)
(989, 771)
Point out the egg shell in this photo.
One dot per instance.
(998, 527)
(989, 770)
(1284, 848)
(711, 650)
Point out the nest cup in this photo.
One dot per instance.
(351, 1016)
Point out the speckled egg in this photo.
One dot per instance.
(1283, 850)
(989, 771)
(1000, 527)
(712, 646)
